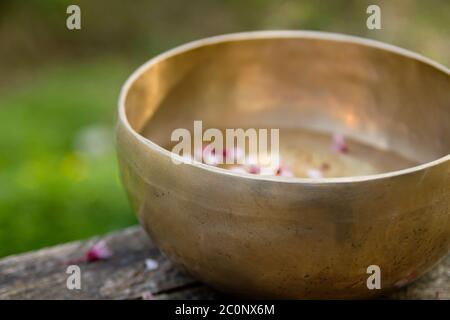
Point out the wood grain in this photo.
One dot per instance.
(41, 274)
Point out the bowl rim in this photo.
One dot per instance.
(274, 34)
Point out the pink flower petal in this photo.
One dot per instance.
(211, 159)
(283, 171)
(339, 144)
(267, 171)
(314, 173)
(238, 169)
(98, 251)
(209, 155)
(151, 264)
(214, 156)
(253, 169)
(235, 154)
(147, 295)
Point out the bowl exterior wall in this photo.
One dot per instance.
(269, 239)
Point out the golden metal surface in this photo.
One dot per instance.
(290, 237)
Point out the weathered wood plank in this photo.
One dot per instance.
(41, 274)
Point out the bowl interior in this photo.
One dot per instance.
(386, 98)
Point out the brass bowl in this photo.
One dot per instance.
(276, 237)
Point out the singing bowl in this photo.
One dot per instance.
(280, 237)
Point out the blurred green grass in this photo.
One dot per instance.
(54, 186)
